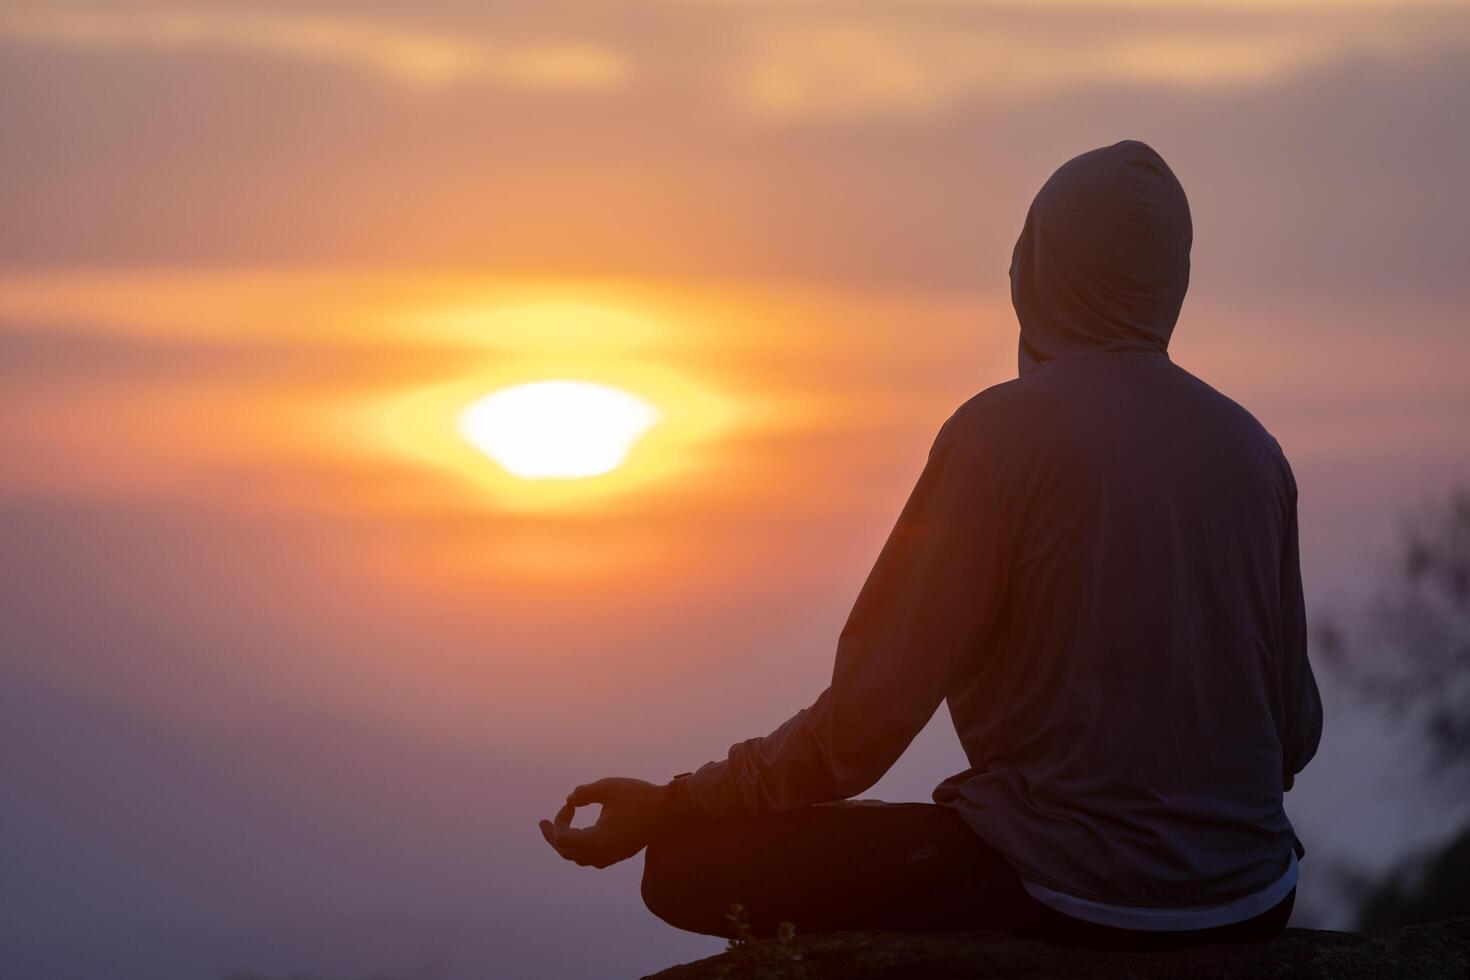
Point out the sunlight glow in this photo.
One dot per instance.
(557, 429)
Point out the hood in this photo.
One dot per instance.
(1103, 261)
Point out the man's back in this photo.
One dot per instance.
(1098, 571)
(1125, 717)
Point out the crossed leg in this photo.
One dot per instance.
(865, 864)
(851, 865)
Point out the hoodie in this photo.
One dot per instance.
(1098, 572)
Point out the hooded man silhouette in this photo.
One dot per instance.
(1102, 264)
(1098, 573)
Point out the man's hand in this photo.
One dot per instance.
(633, 813)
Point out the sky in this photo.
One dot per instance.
(289, 670)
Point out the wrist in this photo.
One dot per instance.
(677, 808)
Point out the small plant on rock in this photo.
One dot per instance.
(749, 959)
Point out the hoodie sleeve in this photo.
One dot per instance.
(1302, 705)
(923, 612)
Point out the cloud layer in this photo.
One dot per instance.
(398, 52)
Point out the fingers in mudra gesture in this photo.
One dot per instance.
(633, 813)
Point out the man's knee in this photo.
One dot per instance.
(655, 886)
(670, 884)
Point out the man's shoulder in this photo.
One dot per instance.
(1234, 413)
(988, 403)
(1001, 403)
(991, 412)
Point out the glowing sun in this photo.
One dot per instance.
(557, 429)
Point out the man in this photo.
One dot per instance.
(1098, 572)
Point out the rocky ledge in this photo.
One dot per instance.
(1430, 952)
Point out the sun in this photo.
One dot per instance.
(557, 429)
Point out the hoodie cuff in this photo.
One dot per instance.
(709, 791)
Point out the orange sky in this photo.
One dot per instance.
(268, 612)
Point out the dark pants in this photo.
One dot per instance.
(869, 865)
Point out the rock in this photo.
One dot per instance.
(1436, 950)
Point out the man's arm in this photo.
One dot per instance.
(1302, 705)
(922, 614)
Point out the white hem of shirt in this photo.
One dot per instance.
(1168, 919)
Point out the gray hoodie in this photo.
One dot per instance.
(1098, 572)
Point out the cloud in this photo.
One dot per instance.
(790, 59)
(904, 153)
(407, 55)
(825, 63)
